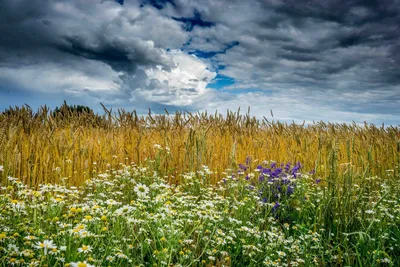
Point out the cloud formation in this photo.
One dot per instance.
(313, 60)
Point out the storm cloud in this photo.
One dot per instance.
(307, 60)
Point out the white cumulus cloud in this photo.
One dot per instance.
(181, 85)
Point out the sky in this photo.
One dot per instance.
(331, 60)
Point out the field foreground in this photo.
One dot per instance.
(260, 214)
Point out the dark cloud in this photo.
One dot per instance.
(322, 34)
(95, 50)
(120, 56)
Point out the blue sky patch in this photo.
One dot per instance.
(196, 20)
(159, 4)
(221, 81)
(203, 54)
(209, 54)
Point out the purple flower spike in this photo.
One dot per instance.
(243, 167)
(248, 159)
(287, 167)
(276, 206)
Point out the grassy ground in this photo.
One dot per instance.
(260, 214)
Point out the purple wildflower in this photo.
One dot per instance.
(287, 167)
(248, 159)
(276, 206)
(265, 170)
(243, 167)
(276, 172)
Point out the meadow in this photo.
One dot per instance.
(195, 189)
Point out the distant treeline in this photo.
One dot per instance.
(66, 109)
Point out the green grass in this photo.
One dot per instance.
(130, 216)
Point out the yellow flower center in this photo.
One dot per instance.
(82, 264)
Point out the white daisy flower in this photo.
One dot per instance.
(85, 249)
(29, 237)
(281, 254)
(81, 264)
(141, 190)
(12, 248)
(54, 251)
(45, 245)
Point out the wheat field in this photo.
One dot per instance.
(41, 148)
